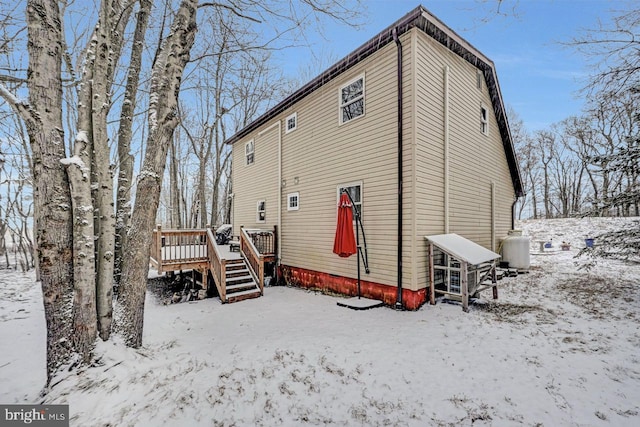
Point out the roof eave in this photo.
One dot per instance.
(439, 31)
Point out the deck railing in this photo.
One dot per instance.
(178, 246)
(255, 260)
(173, 250)
(263, 240)
(217, 266)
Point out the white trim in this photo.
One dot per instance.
(484, 119)
(362, 97)
(291, 196)
(252, 153)
(263, 211)
(293, 116)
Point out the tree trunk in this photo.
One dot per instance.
(52, 198)
(108, 47)
(174, 188)
(125, 167)
(163, 106)
(84, 307)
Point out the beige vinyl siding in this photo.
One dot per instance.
(429, 129)
(475, 160)
(258, 181)
(323, 155)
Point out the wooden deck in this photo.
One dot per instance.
(236, 274)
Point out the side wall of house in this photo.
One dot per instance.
(476, 160)
(256, 182)
(322, 155)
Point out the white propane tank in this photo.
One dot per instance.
(515, 250)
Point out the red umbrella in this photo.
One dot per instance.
(345, 242)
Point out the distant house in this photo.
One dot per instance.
(414, 125)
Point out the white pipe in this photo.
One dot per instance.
(493, 216)
(446, 149)
(279, 184)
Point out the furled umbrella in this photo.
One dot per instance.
(344, 244)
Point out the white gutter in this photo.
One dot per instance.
(279, 184)
(446, 149)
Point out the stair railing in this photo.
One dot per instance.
(217, 266)
(255, 260)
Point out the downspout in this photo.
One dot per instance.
(513, 213)
(446, 149)
(398, 305)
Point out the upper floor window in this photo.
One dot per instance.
(249, 152)
(352, 100)
(484, 120)
(291, 123)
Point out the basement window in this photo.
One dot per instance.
(484, 120)
(249, 152)
(293, 201)
(261, 211)
(351, 100)
(291, 123)
(355, 191)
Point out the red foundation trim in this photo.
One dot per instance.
(325, 282)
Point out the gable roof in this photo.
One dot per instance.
(422, 19)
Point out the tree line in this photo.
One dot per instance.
(589, 164)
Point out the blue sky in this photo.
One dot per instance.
(539, 77)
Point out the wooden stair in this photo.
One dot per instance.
(239, 282)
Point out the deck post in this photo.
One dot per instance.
(432, 286)
(261, 277)
(494, 281)
(465, 287)
(159, 247)
(205, 278)
(223, 285)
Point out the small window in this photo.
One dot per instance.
(293, 201)
(261, 211)
(352, 100)
(355, 191)
(291, 123)
(479, 78)
(249, 152)
(484, 120)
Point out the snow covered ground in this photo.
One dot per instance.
(560, 347)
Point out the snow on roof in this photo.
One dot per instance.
(462, 249)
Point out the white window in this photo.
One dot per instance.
(355, 191)
(249, 152)
(484, 120)
(293, 201)
(291, 123)
(261, 211)
(479, 78)
(352, 100)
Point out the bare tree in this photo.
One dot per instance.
(614, 87)
(125, 134)
(74, 215)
